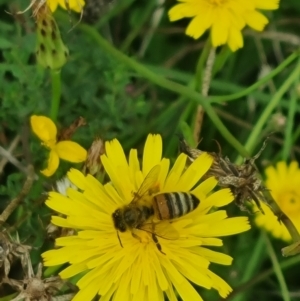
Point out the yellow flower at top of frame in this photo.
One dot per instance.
(67, 150)
(283, 183)
(226, 18)
(76, 5)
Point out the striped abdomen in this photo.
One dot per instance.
(174, 204)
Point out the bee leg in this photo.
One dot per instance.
(154, 237)
(136, 236)
(119, 239)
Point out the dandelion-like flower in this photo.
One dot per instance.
(76, 5)
(226, 18)
(283, 183)
(137, 270)
(67, 150)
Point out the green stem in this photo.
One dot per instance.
(147, 10)
(165, 83)
(281, 67)
(200, 65)
(56, 94)
(252, 264)
(277, 269)
(288, 142)
(261, 277)
(252, 140)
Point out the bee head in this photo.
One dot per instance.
(118, 220)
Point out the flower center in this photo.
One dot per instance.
(290, 203)
(217, 2)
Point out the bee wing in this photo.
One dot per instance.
(161, 229)
(147, 184)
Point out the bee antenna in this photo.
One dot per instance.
(119, 239)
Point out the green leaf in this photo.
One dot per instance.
(4, 43)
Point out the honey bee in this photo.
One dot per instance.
(148, 204)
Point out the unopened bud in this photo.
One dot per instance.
(51, 51)
(93, 163)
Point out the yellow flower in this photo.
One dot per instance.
(76, 5)
(226, 18)
(138, 270)
(283, 182)
(70, 151)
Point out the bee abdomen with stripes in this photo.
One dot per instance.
(174, 204)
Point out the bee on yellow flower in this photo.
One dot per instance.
(137, 269)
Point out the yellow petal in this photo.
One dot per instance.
(220, 27)
(267, 4)
(152, 152)
(256, 20)
(221, 198)
(123, 185)
(219, 284)
(175, 173)
(194, 172)
(281, 170)
(180, 11)
(214, 256)
(73, 270)
(199, 25)
(44, 128)
(59, 221)
(229, 226)
(52, 4)
(235, 39)
(70, 151)
(53, 162)
(134, 168)
(76, 5)
(77, 178)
